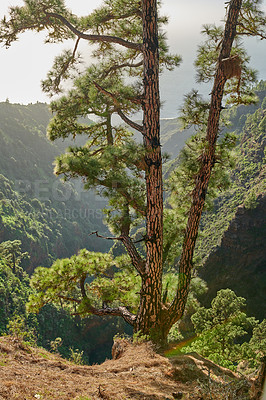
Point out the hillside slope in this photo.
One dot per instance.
(239, 262)
(52, 219)
(137, 373)
(232, 242)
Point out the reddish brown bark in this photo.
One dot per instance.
(94, 38)
(150, 298)
(208, 160)
(153, 318)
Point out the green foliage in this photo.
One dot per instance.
(55, 344)
(19, 328)
(22, 18)
(16, 327)
(11, 252)
(205, 65)
(35, 207)
(14, 292)
(220, 328)
(254, 351)
(76, 356)
(252, 19)
(105, 279)
(139, 338)
(51, 322)
(195, 113)
(258, 340)
(251, 201)
(247, 178)
(184, 328)
(83, 398)
(180, 185)
(110, 161)
(174, 335)
(234, 150)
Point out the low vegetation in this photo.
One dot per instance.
(137, 372)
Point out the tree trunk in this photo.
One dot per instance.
(149, 313)
(152, 318)
(207, 163)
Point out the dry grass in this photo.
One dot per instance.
(139, 373)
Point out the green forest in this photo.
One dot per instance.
(37, 208)
(35, 232)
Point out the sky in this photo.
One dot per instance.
(28, 60)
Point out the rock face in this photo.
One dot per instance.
(239, 263)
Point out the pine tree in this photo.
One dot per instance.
(130, 47)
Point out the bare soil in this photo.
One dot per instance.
(137, 372)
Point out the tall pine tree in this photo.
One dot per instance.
(130, 52)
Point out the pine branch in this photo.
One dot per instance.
(107, 93)
(136, 259)
(95, 38)
(131, 200)
(120, 66)
(65, 67)
(69, 299)
(119, 312)
(250, 32)
(104, 237)
(128, 121)
(253, 30)
(131, 123)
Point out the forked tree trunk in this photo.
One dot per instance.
(151, 318)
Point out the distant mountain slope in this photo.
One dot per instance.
(248, 176)
(46, 232)
(25, 150)
(51, 219)
(173, 138)
(239, 262)
(232, 242)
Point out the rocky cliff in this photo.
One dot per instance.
(239, 262)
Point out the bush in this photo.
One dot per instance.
(76, 356)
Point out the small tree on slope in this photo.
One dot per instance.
(127, 173)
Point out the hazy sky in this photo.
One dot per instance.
(27, 61)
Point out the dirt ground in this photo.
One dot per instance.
(137, 372)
